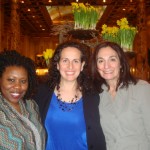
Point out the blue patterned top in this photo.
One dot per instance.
(66, 129)
(21, 131)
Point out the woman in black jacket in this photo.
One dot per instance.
(68, 107)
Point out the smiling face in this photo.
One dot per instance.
(108, 64)
(70, 64)
(14, 84)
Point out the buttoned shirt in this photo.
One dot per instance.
(125, 119)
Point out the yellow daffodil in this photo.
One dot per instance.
(85, 16)
(48, 54)
(123, 34)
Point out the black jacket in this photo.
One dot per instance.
(95, 137)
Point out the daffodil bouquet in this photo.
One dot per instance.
(110, 33)
(47, 54)
(126, 34)
(123, 34)
(85, 16)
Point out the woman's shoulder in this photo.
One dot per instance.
(91, 96)
(142, 83)
(91, 92)
(42, 89)
(141, 88)
(43, 86)
(30, 103)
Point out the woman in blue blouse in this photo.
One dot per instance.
(69, 110)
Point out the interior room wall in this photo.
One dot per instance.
(1, 26)
(31, 46)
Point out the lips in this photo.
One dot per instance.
(70, 73)
(108, 72)
(15, 95)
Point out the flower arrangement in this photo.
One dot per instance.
(110, 33)
(123, 34)
(47, 54)
(85, 16)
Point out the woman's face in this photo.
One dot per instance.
(108, 64)
(14, 83)
(70, 64)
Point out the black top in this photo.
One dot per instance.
(95, 136)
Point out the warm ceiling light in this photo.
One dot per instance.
(104, 1)
(76, 0)
(29, 9)
(124, 9)
(22, 1)
(33, 16)
(43, 29)
(131, 1)
(49, 1)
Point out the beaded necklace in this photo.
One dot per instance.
(66, 106)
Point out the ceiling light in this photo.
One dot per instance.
(29, 9)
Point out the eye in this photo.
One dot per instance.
(64, 60)
(99, 61)
(77, 61)
(113, 59)
(11, 80)
(23, 81)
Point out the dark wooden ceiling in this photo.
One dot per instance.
(38, 18)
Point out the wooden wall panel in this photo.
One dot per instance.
(1, 26)
(31, 46)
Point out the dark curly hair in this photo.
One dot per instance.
(83, 79)
(13, 58)
(125, 76)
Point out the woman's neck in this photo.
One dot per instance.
(68, 91)
(69, 86)
(112, 88)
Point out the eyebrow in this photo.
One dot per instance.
(109, 57)
(73, 59)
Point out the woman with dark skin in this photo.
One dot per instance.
(68, 107)
(20, 123)
(125, 103)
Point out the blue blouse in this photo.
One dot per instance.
(65, 129)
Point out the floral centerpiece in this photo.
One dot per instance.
(123, 34)
(85, 16)
(47, 54)
(85, 20)
(110, 33)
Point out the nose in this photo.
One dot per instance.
(106, 64)
(17, 85)
(70, 65)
